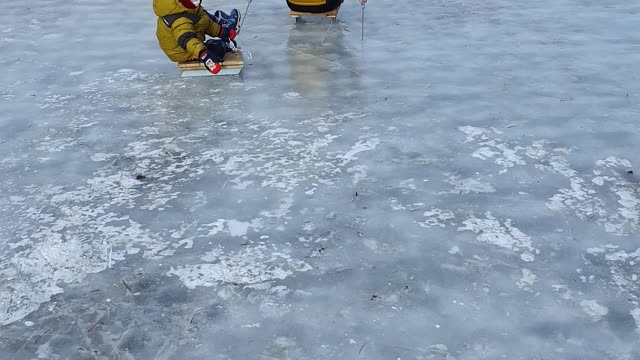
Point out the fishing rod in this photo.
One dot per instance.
(362, 21)
(244, 16)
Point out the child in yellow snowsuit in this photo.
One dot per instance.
(182, 26)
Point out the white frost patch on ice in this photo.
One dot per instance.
(437, 217)
(469, 185)
(635, 313)
(62, 234)
(359, 172)
(55, 101)
(251, 265)
(510, 157)
(527, 280)
(593, 309)
(17, 200)
(623, 256)
(475, 133)
(59, 252)
(232, 227)
(86, 125)
(504, 156)
(550, 158)
(510, 154)
(500, 233)
(282, 211)
(563, 290)
(101, 156)
(408, 184)
(619, 262)
(379, 247)
(238, 228)
(615, 256)
(371, 244)
(614, 162)
(275, 156)
(65, 233)
(489, 229)
(527, 256)
(256, 325)
(501, 152)
(395, 205)
(598, 180)
(291, 95)
(179, 233)
(364, 144)
(630, 202)
(484, 153)
(54, 145)
(214, 227)
(580, 198)
(594, 204)
(438, 351)
(589, 196)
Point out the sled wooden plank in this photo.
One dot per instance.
(330, 14)
(194, 68)
(196, 65)
(197, 73)
(232, 60)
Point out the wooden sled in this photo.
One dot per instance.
(232, 65)
(329, 14)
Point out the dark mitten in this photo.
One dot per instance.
(217, 48)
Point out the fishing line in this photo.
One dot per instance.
(333, 62)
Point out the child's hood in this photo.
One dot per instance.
(170, 7)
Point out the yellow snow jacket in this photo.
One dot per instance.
(181, 31)
(313, 6)
(308, 2)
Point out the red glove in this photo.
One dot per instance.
(227, 34)
(209, 63)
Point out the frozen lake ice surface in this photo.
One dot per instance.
(463, 184)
